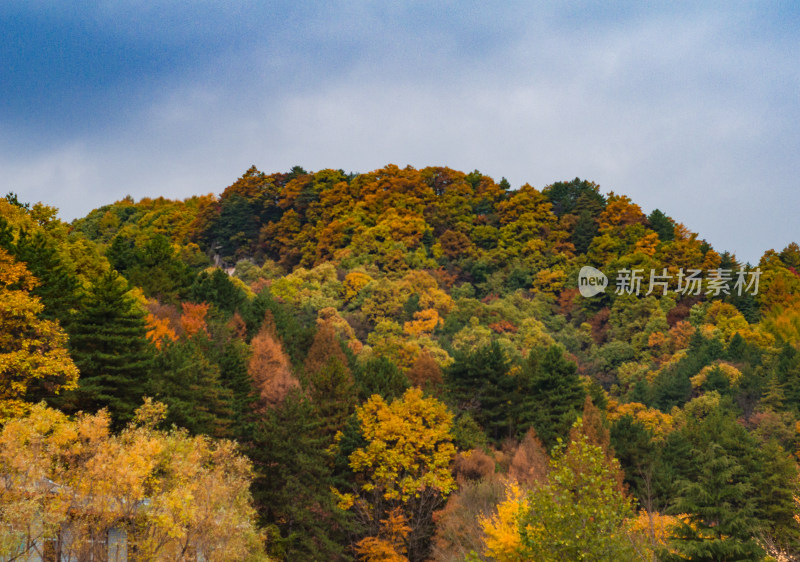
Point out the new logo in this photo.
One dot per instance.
(591, 281)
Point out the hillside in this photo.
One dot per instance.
(410, 362)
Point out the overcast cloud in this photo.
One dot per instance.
(690, 110)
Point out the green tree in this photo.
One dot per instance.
(216, 288)
(189, 383)
(378, 375)
(551, 394)
(479, 383)
(292, 485)
(109, 344)
(59, 287)
(663, 225)
(719, 505)
(154, 266)
(579, 514)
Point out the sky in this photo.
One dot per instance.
(692, 109)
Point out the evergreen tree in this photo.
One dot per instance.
(551, 394)
(332, 393)
(216, 288)
(719, 505)
(378, 375)
(109, 344)
(662, 225)
(787, 369)
(584, 232)
(293, 483)
(59, 287)
(576, 195)
(232, 358)
(154, 266)
(188, 382)
(478, 382)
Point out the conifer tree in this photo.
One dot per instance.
(109, 344)
(719, 505)
(329, 381)
(269, 368)
(479, 383)
(293, 482)
(59, 287)
(378, 375)
(188, 382)
(551, 395)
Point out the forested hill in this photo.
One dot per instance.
(417, 366)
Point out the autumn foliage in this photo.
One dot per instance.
(269, 368)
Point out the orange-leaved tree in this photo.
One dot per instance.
(269, 367)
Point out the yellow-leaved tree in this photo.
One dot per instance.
(71, 489)
(404, 469)
(32, 349)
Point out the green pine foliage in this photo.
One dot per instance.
(108, 344)
(551, 394)
(292, 484)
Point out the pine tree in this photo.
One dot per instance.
(662, 225)
(216, 288)
(59, 287)
(329, 382)
(109, 344)
(479, 383)
(719, 505)
(188, 382)
(293, 481)
(378, 375)
(551, 394)
(584, 232)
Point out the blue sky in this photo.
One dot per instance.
(690, 109)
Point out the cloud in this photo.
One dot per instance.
(689, 110)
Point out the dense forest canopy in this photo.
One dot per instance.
(396, 365)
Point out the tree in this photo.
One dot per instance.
(584, 232)
(58, 287)
(405, 463)
(325, 349)
(269, 368)
(189, 383)
(479, 383)
(425, 373)
(719, 507)
(577, 514)
(33, 354)
(217, 288)
(110, 347)
(389, 545)
(154, 266)
(293, 483)
(172, 495)
(378, 375)
(551, 395)
(574, 196)
(663, 225)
